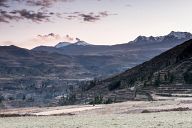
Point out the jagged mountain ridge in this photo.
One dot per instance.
(161, 43)
(121, 56)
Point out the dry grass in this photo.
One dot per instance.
(145, 120)
(165, 114)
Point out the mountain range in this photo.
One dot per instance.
(38, 76)
(110, 60)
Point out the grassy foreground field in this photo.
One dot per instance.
(138, 114)
(141, 120)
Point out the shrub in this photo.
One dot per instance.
(69, 100)
(172, 77)
(91, 85)
(188, 78)
(97, 100)
(157, 83)
(145, 111)
(108, 101)
(114, 85)
(1, 98)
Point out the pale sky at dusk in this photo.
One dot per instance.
(30, 23)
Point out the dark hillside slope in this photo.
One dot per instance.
(170, 57)
(169, 72)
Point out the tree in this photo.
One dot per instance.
(97, 100)
(172, 77)
(188, 78)
(114, 85)
(1, 98)
(108, 101)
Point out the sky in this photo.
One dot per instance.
(31, 23)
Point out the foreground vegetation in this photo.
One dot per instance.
(144, 120)
(132, 114)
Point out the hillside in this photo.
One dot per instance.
(166, 74)
(30, 78)
(168, 59)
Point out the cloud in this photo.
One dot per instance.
(40, 3)
(69, 38)
(3, 3)
(128, 5)
(51, 38)
(88, 17)
(48, 36)
(31, 15)
(6, 17)
(17, 15)
(44, 3)
(7, 43)
(42, 13)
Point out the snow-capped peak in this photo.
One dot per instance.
(148, 39)
(179, 35)
(83, 43)
(62, 44)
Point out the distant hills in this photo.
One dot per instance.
(117, 58)
(38, 76)
(83, 48)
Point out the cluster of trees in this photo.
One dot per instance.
(188, 78)
(68, 100)
(85, 86)
(114, 85)
(1, 99)
(167, 78)
(100, 100)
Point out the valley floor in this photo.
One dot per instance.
(172, 113)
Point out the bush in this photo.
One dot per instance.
(145, 111)
(157, 83)
(188, 78)
(172, 77)
(108, 101)
(91, 85)
(69, 100)
(97, 100)
(114, 85)
(1, 98)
